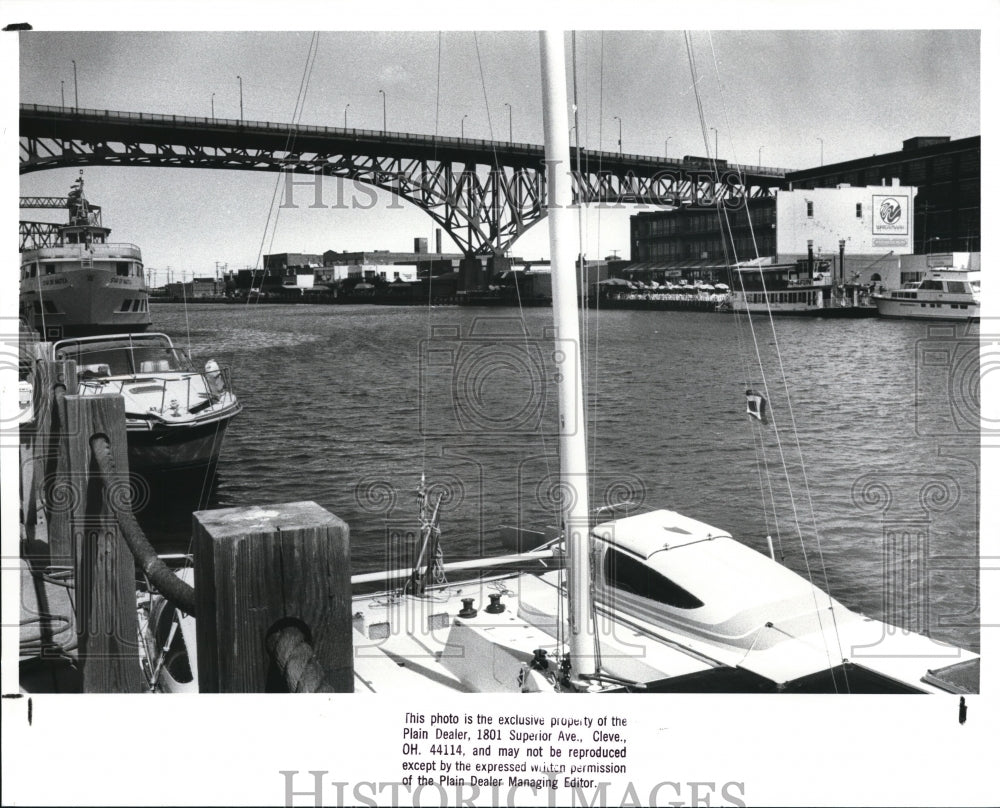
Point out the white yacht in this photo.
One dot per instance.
(943, 294)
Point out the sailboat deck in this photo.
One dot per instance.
(421, 642)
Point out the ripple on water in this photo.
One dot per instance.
(335, 396)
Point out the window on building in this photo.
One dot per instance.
(857, 210)
(631, 575)
(809, 209)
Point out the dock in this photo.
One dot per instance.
(272, 583)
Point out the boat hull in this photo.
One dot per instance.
(84, 302)
(176, 448)
(927, 310)
(798, 301)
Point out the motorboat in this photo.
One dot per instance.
(175, 415)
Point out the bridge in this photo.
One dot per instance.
(484, 193)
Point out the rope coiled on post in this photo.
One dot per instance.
(296, 659)
(178, 592)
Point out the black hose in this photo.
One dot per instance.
(178, 592)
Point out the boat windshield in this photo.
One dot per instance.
(103, 359)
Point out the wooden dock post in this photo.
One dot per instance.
(107, 626)
(256, 570)
(50, 382)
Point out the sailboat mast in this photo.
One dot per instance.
(572, 421)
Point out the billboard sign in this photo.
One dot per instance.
(890, 215)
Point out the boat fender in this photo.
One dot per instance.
(214, 377)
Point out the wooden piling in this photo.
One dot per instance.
(107, 626)
(47, 481)
(256, 569)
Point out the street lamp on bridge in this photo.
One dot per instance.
(62, 92)
(619, 135)
(76, 88)
(759, 150)
(666, 146)
(510, 122)
(716, 142)
(240, 79)
(213, 106)
(820, 150)
(345, 115)
(383, 111)
(463, 125)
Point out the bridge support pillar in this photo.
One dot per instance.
(471, 274)
(496, 266)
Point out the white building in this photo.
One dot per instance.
(874, 222)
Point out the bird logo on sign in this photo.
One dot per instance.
(890, 211)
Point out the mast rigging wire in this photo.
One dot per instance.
(289, 144)
(782, 375)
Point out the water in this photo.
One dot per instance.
(347, 405)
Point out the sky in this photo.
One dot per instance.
(785, 98)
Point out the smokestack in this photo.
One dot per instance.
(842, 272)
(437, 240)
(809, 245)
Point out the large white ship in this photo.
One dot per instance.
(943, 294)
(78, 283)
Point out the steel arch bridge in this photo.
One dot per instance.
(484, 193)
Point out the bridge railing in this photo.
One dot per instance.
(107, 114)
(406, 137)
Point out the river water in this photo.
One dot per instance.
(878, 429)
